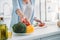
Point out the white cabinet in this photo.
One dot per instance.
(53, 37)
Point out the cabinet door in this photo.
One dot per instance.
(53, 37)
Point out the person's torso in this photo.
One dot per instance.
(27, 10)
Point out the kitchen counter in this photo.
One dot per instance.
(39, 33)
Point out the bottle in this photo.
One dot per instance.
(3, 30)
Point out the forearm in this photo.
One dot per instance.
(20, 13)
(22, 17)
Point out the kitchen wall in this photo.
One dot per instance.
(59, 9)
(47, 10)
(6, 11)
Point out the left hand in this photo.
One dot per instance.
(41, 24)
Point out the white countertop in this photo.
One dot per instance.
(39, 33)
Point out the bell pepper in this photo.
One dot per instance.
(25, 21)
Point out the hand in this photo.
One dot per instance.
(41, 24)
(25, 21)
(37, 20)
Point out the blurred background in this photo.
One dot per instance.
(45, 10)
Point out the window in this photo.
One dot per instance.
(47, 10)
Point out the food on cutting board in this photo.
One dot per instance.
(40, 23)
(22, 28)
(58, 23)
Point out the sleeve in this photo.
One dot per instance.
(14, 18)
(32, 17)
(18, 7)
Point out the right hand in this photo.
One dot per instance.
(25, 21)
(22, 17)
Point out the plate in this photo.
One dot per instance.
(21, 34)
